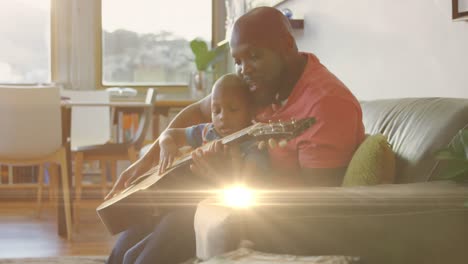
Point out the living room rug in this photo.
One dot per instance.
(239, 256)
(249, 256)
(56, 260)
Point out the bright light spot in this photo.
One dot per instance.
(154, 16)
(238, 197)
(6, 73)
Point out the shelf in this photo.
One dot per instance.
(297, 23)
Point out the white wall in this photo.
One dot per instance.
(387, 48)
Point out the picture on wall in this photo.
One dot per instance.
(459, 10)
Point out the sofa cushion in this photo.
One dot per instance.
(416, 128)
(372, 163)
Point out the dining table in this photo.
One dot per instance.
(161, 107)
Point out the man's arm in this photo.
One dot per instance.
(196, 113)
(199, 112)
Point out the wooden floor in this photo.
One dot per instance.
(22, 234)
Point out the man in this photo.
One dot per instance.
(285, 84)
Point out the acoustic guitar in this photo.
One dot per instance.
(153, 193)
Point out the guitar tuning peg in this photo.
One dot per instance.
(283, 143)
(283, 129)
(271, 125)
(272, 143)
(261, 145)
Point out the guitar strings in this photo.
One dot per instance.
(297, 127)
(188, 156)
(227, 139)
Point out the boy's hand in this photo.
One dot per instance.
(168, 153)
(209, 163)
(218, 163)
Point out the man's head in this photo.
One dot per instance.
(230, 105)
(263, 47)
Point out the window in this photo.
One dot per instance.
(146, 42)
(25, 46)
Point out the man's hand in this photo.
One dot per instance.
(272, 143)
(136, 169)
(125, 178)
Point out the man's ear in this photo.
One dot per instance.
(289, 44)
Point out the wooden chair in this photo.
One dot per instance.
(31, 134)
(111, 152)
(90, 125)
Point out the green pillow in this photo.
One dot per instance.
(372, 163)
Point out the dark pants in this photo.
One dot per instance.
(170, 240)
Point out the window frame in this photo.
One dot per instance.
(216, 36)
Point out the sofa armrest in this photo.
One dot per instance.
(355, 221)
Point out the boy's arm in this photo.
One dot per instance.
(169, 143)
(199, 112)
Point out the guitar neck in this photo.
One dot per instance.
(239, 136)
(259, 131)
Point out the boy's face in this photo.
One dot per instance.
(230, 110)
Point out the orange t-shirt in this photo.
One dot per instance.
(338, 131)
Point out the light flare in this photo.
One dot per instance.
(238, 196)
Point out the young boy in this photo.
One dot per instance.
(231, 112)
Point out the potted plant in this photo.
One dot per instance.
(455, 158)
(202, 79)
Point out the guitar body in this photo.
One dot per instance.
(152, 194)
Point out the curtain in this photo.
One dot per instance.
(75, 25)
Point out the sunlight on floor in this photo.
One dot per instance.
(24, 235)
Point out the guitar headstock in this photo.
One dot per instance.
(281, 129)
